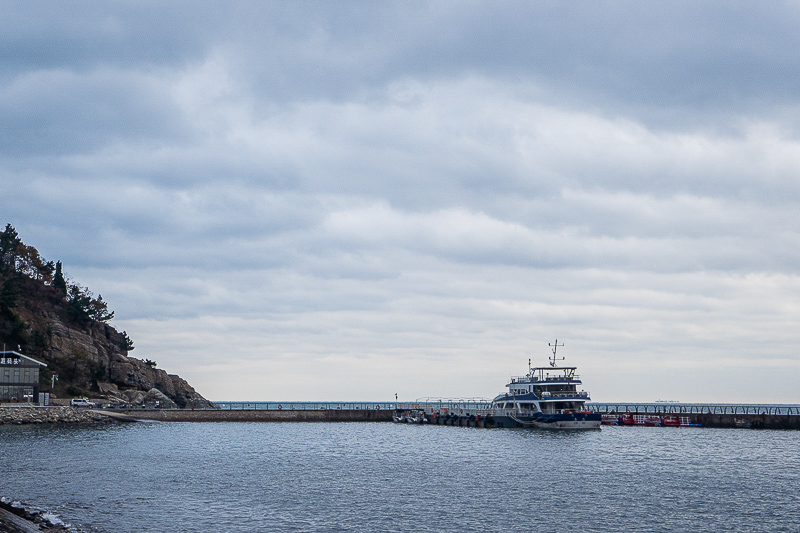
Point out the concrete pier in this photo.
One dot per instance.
(471, 413)
(766, 416)
(756, 416)
(754, 421)
(253, 415)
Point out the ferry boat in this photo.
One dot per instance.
(546, 397)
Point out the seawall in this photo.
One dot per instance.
(26, 414)
(68, 415)
(222, 415)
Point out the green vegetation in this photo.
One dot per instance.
(59, 283)
(126, 343)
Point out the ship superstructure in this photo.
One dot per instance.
(548, 396)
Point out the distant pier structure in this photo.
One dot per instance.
(696, 408)
(478, 413)
(763, 416)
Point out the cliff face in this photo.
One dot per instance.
(90, 357)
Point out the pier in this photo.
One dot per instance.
(765, 416)
(470, 412)
(478, 413)
(267, 412)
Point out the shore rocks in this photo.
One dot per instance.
(32, 518)
(50, 415)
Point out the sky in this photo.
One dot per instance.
(344, 201)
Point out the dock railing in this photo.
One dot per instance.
(694, 408)
(475, 406)
(306, 406)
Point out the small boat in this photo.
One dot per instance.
(610, 420)
(407, 418)
(670, 421)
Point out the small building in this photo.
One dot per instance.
(19, 377)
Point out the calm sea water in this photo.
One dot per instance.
(381, 477)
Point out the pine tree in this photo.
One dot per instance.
(127, 343)
(9, 242)
(58, 280)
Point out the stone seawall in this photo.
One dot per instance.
(50, 415)
(234, 415)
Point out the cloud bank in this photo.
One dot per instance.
(333, 202)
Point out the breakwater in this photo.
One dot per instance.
(465, 413)
(255, 415)
(27, 414)
(450, 412)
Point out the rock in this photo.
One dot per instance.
(50, 415)
(156, 396)
(107, 388)
(134, 397)
(187, 397)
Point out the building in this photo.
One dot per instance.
(19, 377)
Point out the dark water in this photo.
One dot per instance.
(381, 477)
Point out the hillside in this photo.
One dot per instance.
(62, 324)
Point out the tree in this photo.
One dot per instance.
(126, 343)
(9, 293)
(78, 302)
(9, 243)
(82, 307)
(31, 264)
(98, 310)
(58, 279)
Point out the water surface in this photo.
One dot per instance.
(382, 477)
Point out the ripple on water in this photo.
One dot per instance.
(373, 477)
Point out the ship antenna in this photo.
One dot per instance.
(555, 346)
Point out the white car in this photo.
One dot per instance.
(81, 402)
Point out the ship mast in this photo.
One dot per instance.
(555, 346)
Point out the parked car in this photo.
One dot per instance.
(81, 402)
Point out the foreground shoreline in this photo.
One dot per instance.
(16, 517)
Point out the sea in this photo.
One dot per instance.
(384, 477)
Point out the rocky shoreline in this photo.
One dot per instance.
(50, 415)
(17, 517)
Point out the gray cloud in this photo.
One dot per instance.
(339, 189)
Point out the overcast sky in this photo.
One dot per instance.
(348, 200)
